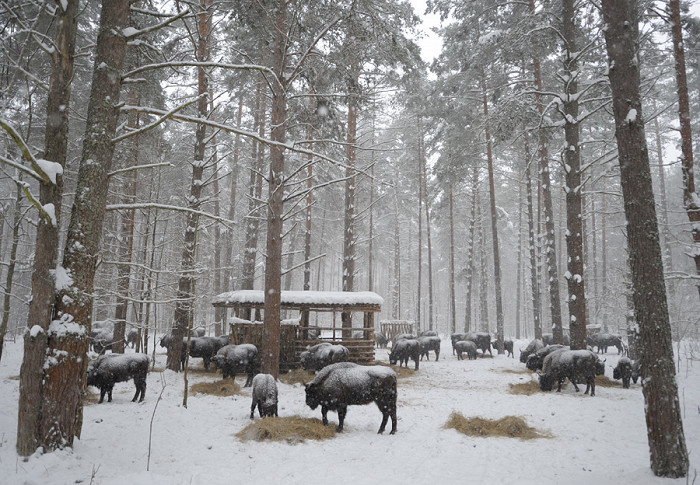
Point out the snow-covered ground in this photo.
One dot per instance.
(595, 440)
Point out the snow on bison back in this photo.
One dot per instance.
(342, 384)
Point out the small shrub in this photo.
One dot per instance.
(292, 429)
(509, 427)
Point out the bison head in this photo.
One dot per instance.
(600, 367)
(546, 382)
(312, 398)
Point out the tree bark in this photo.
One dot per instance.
(126, 240)
(690, 198)
(424, 179)
(550, 252)
(669, 456)
(453, 311)
(183, 316)
(573, 188)
(41, 307)
(471, 250)
(534, 277)
(16, 224)
(273, 266)
(494, 221)
(349, 239)
(61, 417)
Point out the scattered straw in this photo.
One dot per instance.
(13, 378)
(513, 371)
(90, 397)
(401, 372)
(292, 429)
(525, 388)
(223, 388)
(604, 381)
(510, 427)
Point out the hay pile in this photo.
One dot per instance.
(604, 381)
(292, 429)
(509, 427)
(525, 388)
(222, 388)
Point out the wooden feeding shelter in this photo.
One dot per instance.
(297, 333)
(392, 328)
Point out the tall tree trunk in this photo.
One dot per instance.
(494, 220)
(62, 411)
(531, 242)
(690, 198)
(228, 253)
(309, 201)
(252, 226)
(453, 311)
(396, 293)
(219, 312)
(16, 224)
(669, 456)
(471, 250)
(518, 275)
(420, 226)
(349, 239)
(550, 252)
(183, 317)
(573, 187)
(126, 239)
(424, 179)
(663, 206)
(41, 309)
(483, 325)
(273, 264)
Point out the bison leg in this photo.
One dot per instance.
(385, 418)
(109, 393)
(103, 391)
(324, 415)
(206, 363)
(249, 380)
(437, 354)
(342, 411)
(252, 409)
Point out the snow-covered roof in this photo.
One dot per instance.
(357, 300)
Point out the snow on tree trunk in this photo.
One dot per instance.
(669, 456)
(573, 185)
(270, 352)
(349, 239)
(68, 333)
(534, 278)
(41, 307)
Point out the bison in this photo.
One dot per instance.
(203, 347)
(604, 340)
(107, 370)
(576, 365)
(623, 370)
(264, 396)
(482, 341)
(339, 385)
(320, 355)
(536, 360)
(232, 359)
(403, 350)
(456, 337)
(465, 346)
(428, 343)
(531, 348)
(507, 346)
(548, 339)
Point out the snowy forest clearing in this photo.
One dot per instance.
(597, 440)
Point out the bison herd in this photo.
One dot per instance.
(339, 383)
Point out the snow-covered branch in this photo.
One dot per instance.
(139, 167)
(176, 208)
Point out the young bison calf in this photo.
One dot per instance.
(107, 370)
(264, 396)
